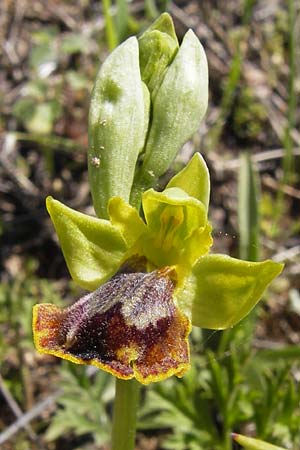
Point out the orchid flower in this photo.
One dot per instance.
(151, 278)
(146, 258)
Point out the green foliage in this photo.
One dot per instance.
(39, 106)
(83, 406)
(121, 26)
(222, 394)
(249, 115)
(17, 298)
(254, 444)
(248, 211)
(37, 118)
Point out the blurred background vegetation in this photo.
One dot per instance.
(246, 379)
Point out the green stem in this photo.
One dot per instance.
(124, 418)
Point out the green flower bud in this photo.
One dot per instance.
(178, 107)
(118, 124)
(158, 45)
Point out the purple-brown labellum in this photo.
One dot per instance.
(129, 327)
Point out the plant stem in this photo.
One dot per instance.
(124, 418)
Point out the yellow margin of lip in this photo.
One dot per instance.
(179, 371)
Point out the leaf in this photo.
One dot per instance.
(74, 43)
(254, 444)
(248, 213)
(222, 290)
(93, 248)
(77, 80)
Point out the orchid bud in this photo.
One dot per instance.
(158, 46)
(118, 124)
(178, 107)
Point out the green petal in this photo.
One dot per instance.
(197, 245)
(126, 219)
(172, 217)
(222, 290)
(93, 248)
(194, 179)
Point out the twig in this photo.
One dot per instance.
(185, 19)
(289, 253)
(8, 147)
(53, 142)
(276, 186)
(15, 407)
(26, 418)
(234, 164)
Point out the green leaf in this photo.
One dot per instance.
(77, 80)
(222, 290)
(117, 126)
(248, 214)
(44, 53)
(122, 19)
(178, 107)
(254, 444)
(93, 248)
(194, 179)
(74, 43)
(37, 117)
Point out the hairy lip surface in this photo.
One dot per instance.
(129, 327)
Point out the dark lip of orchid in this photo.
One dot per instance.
(130, 327)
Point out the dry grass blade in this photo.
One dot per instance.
(26, 418)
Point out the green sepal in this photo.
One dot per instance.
(172, 217)
(126, 219)
(194, 179)
(93, 248)
(178, 107)
(254, 444)
(117, 125)
(222, 290)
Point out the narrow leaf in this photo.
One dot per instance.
(248, 213)
(254, 444)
